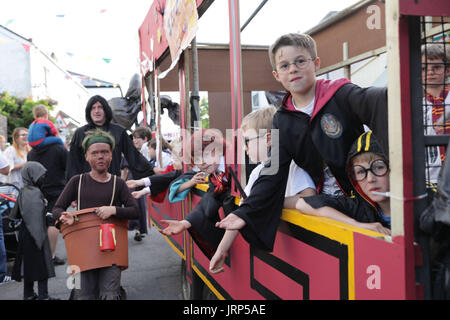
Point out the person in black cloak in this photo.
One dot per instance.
(99, 115)
(435, 221)
(34, 252)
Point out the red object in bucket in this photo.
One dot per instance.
(107, 237)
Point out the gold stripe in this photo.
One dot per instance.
(359, 144)
(181, 254)
(368, 140)
(206, 281)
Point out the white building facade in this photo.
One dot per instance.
(27, 72)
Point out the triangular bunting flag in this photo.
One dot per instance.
(103, 10)
(26, 46)
(107, 60)
(9, 21)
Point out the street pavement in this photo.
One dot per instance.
(153, 272)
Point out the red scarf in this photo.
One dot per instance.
(219, 181)
(437, 111)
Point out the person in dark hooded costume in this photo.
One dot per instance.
(34, 252)
(369, 208)
(99, 115)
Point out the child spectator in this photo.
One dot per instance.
(42, 131)
(256, 132)
(166, 157)
(435, 72)
(318, 122)
(34, 255)
(141, 137)
(368, 171)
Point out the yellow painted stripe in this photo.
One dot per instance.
(321, 225)
(210, 286)
(368, 140)
(181, 254)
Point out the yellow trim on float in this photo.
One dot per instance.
(181, 254)
(205, 280)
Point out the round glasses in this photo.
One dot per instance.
(247, 140)
(378, 167)
(300, 63)
(436, 68)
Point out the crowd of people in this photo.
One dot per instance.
(331, 159)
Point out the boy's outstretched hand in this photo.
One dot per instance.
(231, 222)
(174, 227)
(139, 194)
(216, 263)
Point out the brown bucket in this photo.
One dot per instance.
(82, 241)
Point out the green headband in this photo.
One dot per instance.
(97, 139)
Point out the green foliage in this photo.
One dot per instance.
(19, 111)
(204, 112)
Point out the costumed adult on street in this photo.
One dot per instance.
(34, 256)
(99, 115)
(113, 203)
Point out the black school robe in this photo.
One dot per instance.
(204, 217)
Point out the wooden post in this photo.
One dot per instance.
(347, 68)
(236, 89)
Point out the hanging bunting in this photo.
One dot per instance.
(70, 54)
(107, 60)
(9, 22)
(26, 47)
(60, 15)
(103, 11)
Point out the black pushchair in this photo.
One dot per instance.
(8, 195)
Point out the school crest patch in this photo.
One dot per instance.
(331, 126)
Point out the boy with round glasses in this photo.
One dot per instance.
(368, 171)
